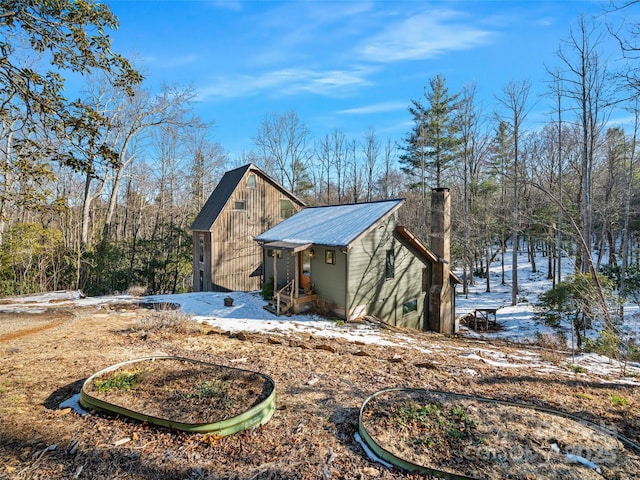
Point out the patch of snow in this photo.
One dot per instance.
(73, 403)
(369, 452)
(583, 461)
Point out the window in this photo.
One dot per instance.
(201, 246)
(390, 265)
(251, 181)
(201, 281)
(239, 205)
(274, 253)
(330, 257)
(286, 208)
(410, 306)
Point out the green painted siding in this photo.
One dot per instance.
(328, 279)
(369, 291)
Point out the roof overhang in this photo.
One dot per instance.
(287, 246)
(417, 244)
(424, 251)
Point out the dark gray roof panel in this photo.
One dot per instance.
(219, 198)
(336, 225)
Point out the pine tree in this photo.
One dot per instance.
(433, 143)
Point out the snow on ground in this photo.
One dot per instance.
(247, 314)
(518, 325)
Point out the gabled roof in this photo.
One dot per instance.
(223, 192)
(335, 225)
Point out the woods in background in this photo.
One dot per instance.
(98, 192)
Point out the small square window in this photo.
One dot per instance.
(286, 208)
(410, 306)
(251, 181)
(330, 257)
(239, 205)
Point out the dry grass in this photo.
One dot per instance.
(320, 385)
(168, 321)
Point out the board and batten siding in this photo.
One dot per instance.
(235, 257)
(369, 291)
(201, 260)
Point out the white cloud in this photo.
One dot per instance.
(288, 81)
(423, 36)
(375, 108)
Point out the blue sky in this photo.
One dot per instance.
(347, 65)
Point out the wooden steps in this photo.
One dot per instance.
(298, 305)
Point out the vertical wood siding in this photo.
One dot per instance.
(235, 256)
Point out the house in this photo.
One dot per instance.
(245, 203)
(357, 260)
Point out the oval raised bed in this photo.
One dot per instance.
(183, 394)
(456, 436)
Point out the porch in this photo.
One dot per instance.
(297, 294)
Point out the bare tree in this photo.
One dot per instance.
(135, 115)
(371, 153)
(208, 162)
(514, 100)
(282, 139)
(631, 152)
(338, 161)
(584, 79)
(355, 182)
(323, 161)
(474, 146)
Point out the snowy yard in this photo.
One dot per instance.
(517, 323)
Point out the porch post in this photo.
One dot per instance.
(295, 274)
(275, 273)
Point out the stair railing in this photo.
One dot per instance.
(279, 293)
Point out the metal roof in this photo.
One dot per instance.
(335, 225)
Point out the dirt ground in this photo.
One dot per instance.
(320, 385)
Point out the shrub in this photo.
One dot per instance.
(136, 290)
(607, 343)
(577, 300)
(267, 289)
(172, 321)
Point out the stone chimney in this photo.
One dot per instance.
(441, 316)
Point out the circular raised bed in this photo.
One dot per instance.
(457, 436)
(183, 394)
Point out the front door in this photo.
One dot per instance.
(304, 274)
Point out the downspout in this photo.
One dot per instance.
(346, 283)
